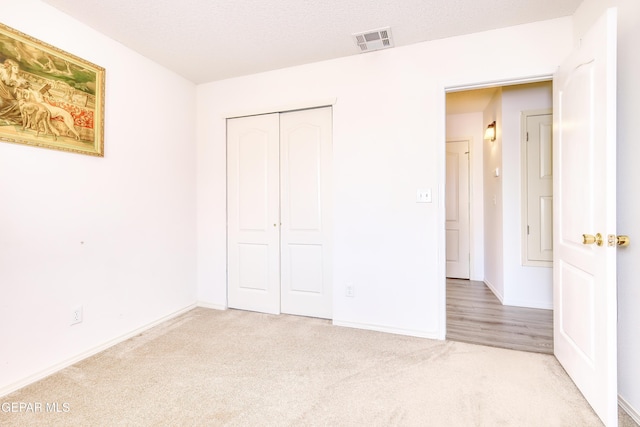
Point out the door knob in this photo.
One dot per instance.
(623, 240)
(588, 239)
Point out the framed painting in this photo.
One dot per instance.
(49, 98)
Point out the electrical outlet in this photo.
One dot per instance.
(350, 290)
(76, 315)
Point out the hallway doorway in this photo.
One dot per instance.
(503, 292)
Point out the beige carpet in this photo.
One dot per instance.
(235, 368)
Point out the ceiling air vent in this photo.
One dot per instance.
(373, 40)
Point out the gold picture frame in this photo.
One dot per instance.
(49, 98)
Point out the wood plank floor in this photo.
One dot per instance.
(475, 315)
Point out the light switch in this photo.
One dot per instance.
(423, 195)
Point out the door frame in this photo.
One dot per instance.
(441, 155)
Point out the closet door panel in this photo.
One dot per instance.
(305, 195)
(253, 211)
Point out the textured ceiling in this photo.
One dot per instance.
(207, 40)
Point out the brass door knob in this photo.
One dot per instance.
(623, 240)
(588, 239)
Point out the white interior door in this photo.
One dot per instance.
(253, 213)
(305, 192)
(585, 191)
(457, 209)
(538, 190)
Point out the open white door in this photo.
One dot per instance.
(584, 280)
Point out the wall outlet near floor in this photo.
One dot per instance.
(350, 290)
(76, 315)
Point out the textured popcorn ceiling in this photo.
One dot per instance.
(207, 40)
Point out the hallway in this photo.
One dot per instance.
(475, 315)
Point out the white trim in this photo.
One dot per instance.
(212, 306)
(543, 305)
(496, 83)
(630, 410)
(390, 330)
(441, 216)
(495, 292)
(283, 108)
(88, 353)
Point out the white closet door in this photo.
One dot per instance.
(253, 213)
(305, 194)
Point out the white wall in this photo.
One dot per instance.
(469, 126)
(493, 200)
(134, 209)
(524, 286)
(628, 205)
(389, 132)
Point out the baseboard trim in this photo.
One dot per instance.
(529, 304)
(495, 292)
(516, 303)
(387, 329)
(630, 410)
(210, 305)
(88, 353)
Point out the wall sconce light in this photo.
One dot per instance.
(490, 133)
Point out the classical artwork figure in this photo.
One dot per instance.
(21, 103)
(9, 83)
(47, 97)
